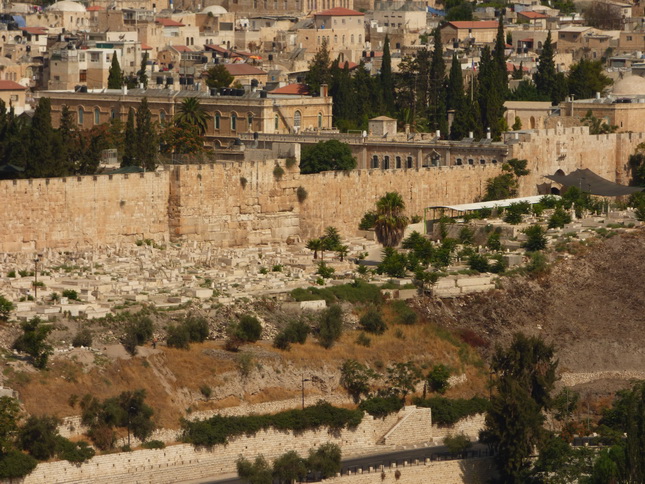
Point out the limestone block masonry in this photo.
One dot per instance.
(234, 204)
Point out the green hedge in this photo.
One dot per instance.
(447, 411)
(356, 292)
(218, 430)
(381, 407)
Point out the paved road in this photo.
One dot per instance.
(386, 459)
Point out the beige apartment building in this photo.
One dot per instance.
(478, 32)
(342, 28)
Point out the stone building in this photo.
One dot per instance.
(624, 107)
(342, 28)
(282, 7)
(231, 114)
(478, 32)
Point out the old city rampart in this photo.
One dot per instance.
(244, 203)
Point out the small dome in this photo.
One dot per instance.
(629, 86)
(66, 6)
(215, 10)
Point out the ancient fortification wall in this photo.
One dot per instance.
(66, 213)
(244, 203)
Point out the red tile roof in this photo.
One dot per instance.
(94, 8)
(293, 89)
(145, 47)
(35, 30)
(338, 12)
(168, 22)
(243, 70)
(510, 67)
(182, 48)
(221, 50)
(531, 14)
(349, 64)
(11, 86)
(481, 24)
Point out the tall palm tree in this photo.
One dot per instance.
(315, 245)
(191, 113)
(390, 221)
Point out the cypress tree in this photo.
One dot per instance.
(490, 97)
(147, 142)
(143, 76)
(437, 114)
(387, 81)
(366, 94)
(130, 142)
(115, 77)
(467, 119)
(547, 80)
(499, 57)
(319, 72)
(45, 157)
(455, 95)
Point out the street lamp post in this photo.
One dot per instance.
(303, 390)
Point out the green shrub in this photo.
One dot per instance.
(394, 263)
(33, 341)
(373, 322)
(363, 340)
(466, 235)
(39, 437)
(206, 391)
(536, 238)
(479, 263)
(11, 273)
(76, 452)
(138, 331)
(197, 327)
(330, 326)
(70, 294)
(325, 460)
(277, 268)
(404, 314)
(250, 328)
(381, 407)
(324, 270)
(6, 307)
(357, 292)
(446, 411)
(218, 429)
(302, 194)
(153, 444)
(82, 338)
(291, 161)
(457, 444)
(178, 337)
(296, 331)
(493, 242)
(368, 221)
(538, 264)
(559, 218)
(278, 171)
(438, 378)
(15, 464)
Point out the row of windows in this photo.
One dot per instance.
(398, 162)
(360, 39)
(217, 119)
(386, 162)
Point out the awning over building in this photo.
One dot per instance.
(471, 207)
(587, 181)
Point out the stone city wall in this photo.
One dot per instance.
(78, 212)
(235, 204)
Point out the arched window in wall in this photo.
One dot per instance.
(276, 123)
(386, 162)
(233, 121)
(249, 121)
(398, 162)
(320, 121)
(218, 120)
(97, 116)
(81, 117)
(375, 161)
(410, 163)
(297, 119)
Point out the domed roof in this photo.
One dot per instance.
(66, 6)
(215, 10)
(629, 86)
